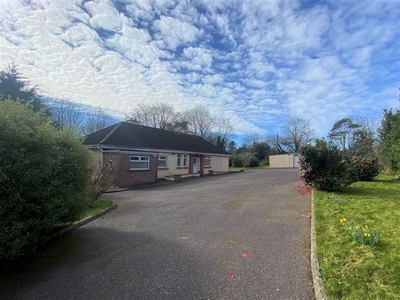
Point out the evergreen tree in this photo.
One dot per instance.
(389, 136)
(13, 85)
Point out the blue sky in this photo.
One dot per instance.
(256, 62)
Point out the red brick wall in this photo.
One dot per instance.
(129, 178)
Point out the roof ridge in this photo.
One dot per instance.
(110, 133)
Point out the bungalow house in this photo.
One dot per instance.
(140, 154)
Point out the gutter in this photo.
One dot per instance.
(159, 151)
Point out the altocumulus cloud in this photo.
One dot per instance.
(254, 61)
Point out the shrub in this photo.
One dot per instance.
(325, 167)
(100, 181)
(254, 162)
(44, 178)
(366, 168)
(237, 160)
(257, 155)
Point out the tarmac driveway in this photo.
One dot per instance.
(183, 241)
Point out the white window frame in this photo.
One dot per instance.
(162, 158)
(181, 160)
(207, 158)
(140, 159)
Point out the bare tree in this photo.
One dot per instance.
(370, 123)
(248, 148)
(201, 121)
(159, 115)
(179, 126)
(221, 132)
(297, 131)
(101, 180)
(65, 114)
(277, 144)
(364, 140)
(96, 119)
(197, 120)
(223, 127)
(251, 141)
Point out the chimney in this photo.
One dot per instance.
(132, 121)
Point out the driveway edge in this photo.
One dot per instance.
(315, 270)
(85, 221)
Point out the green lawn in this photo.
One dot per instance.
(351, 270)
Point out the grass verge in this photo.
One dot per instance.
(97, 207)
(352, 270)
(236, 168)
(248, 168)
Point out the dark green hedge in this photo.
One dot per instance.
(44, 178)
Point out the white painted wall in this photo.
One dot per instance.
(218, 164)
(172, 168)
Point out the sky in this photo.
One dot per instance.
(255, 62)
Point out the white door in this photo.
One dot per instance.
(195, 165)
(295, 161)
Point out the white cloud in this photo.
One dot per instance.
(193, 53)
(104, 15)
(174, 33)
(362, 57)
(255, 61)
(212, 79)
(222, 23)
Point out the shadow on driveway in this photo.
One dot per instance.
(91, 262)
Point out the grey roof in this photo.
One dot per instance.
(126, 135)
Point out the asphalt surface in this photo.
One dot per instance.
(183, 241)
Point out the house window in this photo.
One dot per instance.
(162, 162)
(139, 163)
(181, 160)
(207, 161)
